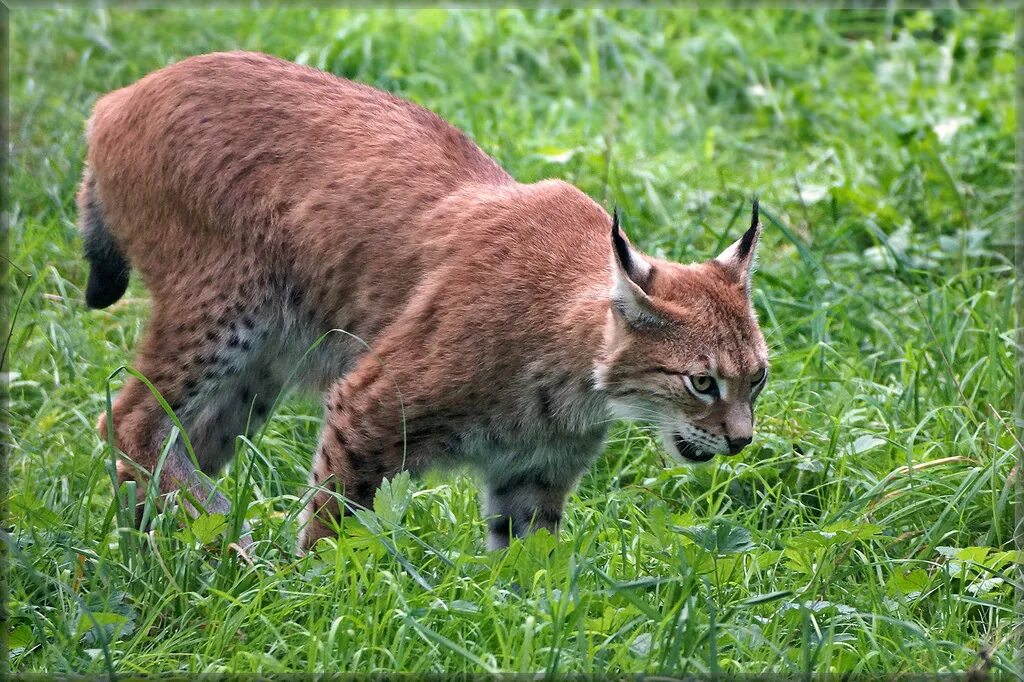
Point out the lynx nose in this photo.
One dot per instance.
(737, 444)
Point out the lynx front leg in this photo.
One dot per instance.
(347, 470)
(363, 441)
(519, 505)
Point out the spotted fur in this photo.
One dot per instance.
(265, 204)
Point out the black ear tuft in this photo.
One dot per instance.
(747, 241)
(631, 280)
(629, 261)
(620, 244)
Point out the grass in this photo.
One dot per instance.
(868, 529)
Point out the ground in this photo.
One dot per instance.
(867, 529)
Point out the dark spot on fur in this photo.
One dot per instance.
(500, 525)
(452, 443)
(550, 517)
(233, 340)
(245, 395)
(364, 491)
(545, 403)
(246, 345)
(511, 485)
(224, 163)
(260, 409)
(211, 335)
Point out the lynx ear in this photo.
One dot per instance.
(631, 277)
(738, 259)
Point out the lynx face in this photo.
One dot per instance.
(683, 348)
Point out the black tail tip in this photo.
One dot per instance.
(105, 286)
(108, 268)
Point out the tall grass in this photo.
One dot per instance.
(868, 529)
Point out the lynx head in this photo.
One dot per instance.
(683, 348)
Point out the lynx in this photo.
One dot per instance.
(478, 321)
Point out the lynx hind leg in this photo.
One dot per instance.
(215, 372)
(518, 505)
(141, 429)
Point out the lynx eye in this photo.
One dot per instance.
(702, 383)
(761, 376)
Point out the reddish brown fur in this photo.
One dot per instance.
(266, 203)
